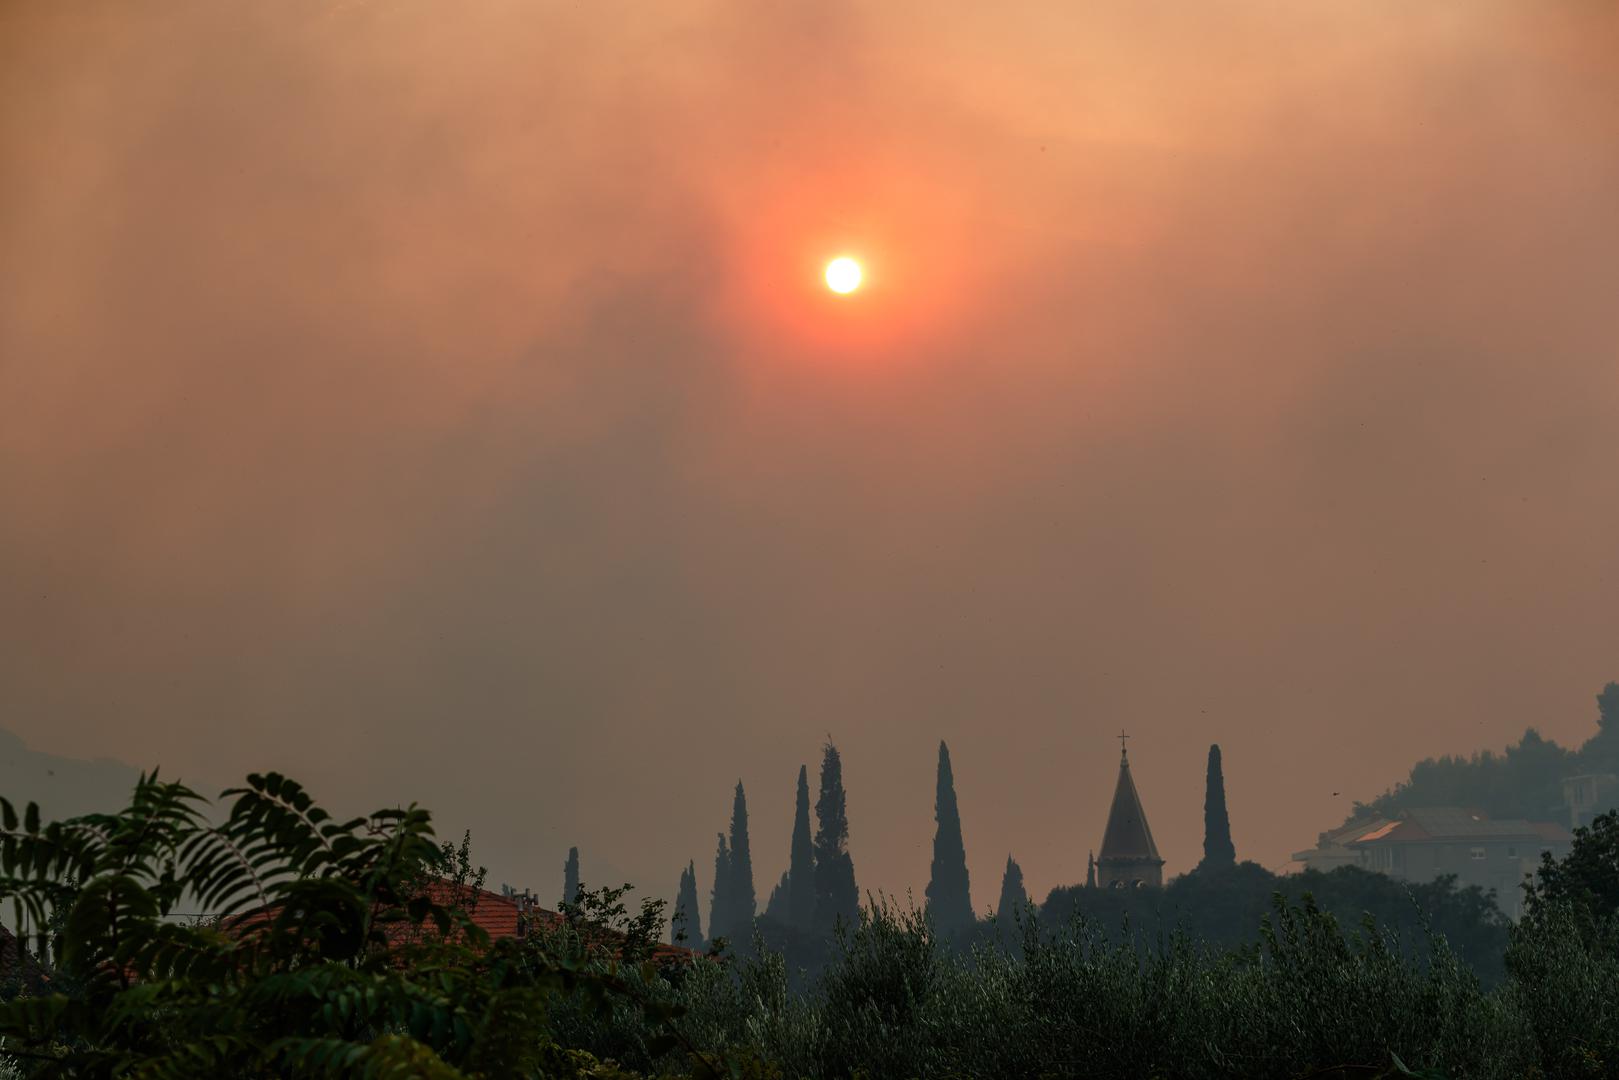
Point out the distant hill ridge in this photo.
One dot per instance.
(1525, 781)
(62, 786)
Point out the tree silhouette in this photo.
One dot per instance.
(744, 902)
(686, 925)
(836, 895)
(801, 868)
(719, 901)
(1218, 850)
(1013, 895)
(949, 900)
(570, 877)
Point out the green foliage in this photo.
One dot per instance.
(1564, 967)
(327, 955)
(346, 949)
(1070, 1001)
(1586, 882)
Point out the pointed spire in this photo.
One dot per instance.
(1129, 855)
(1090, 870)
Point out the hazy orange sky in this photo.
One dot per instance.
(440, 402)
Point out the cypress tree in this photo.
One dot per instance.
(776, 906)
(949, 901)
(801, 869)
(719, 901)
(744, 903)
(570, 877)
(1218, 850)
(1013, 896)
(686, 925)
(836, 895)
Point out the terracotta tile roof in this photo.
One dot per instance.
(1382, 832)
(497, 915)
(1451, 823)
(28, 975)
(1553, 833)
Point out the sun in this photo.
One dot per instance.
(843, 275)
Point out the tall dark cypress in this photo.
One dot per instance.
(801, 868)
(686, 925)
(949, 902)
(570, 876)
(744, 903)
(1218, 850)
(837, 898)
(1014, 897)
(776, 906)
(719, 901)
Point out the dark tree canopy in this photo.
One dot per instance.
(949, 901)
(836, 895)
(801, 869)
(1586, 881)
(1218, 850)
(1524, 781)
(1014, 897)
(1225, 909)
(1608, 707)
(570, 877)
(686, 925)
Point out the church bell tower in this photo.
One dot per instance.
(1129, 857)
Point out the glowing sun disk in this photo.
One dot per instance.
(843, 275)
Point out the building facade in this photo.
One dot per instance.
(1422, 845)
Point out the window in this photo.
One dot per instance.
(1476, 853)
(1512, 853)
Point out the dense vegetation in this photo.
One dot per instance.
(1524, 781)
(333, 957)
(1225, 907)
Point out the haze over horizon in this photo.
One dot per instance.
(445, 408)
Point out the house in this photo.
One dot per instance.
(1332, 848)
(1421, 845)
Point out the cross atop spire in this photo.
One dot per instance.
(1123, 753)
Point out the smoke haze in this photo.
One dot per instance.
(438, 403)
